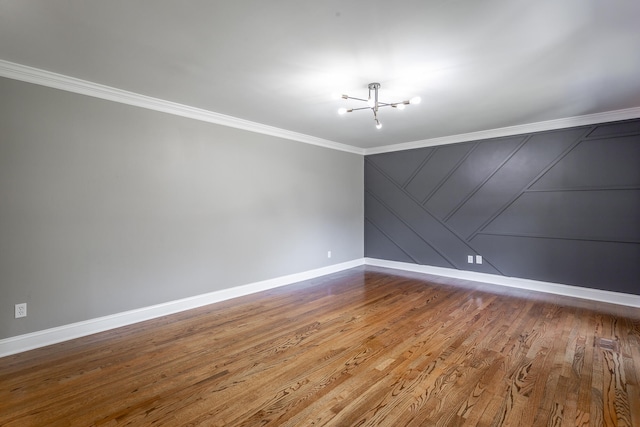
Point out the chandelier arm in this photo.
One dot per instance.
(375, 104)
(357, 99)
(380, 104)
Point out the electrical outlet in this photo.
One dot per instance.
(470, 259)
(328, 254)
(21, 310)
(478, 259)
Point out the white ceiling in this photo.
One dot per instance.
(478, 65)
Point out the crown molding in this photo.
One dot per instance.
(590, 119)
(71, 84)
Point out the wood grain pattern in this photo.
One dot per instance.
(364, 347)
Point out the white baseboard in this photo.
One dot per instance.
(514, 282)
(20, 343)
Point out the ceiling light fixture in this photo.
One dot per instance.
(374, 103)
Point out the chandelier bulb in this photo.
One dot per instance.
(415, 100)
(342, 110)
(378, 124)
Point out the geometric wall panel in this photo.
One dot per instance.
(625, 127)
(416, 248)
(507, 183)
(589, 165)
(401, 165)
(559, 206)
(605, 215)
(381, 246)
(397, 214)
(595, 264)
(434, 172)
(483, 160)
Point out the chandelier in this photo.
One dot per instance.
(373, 103)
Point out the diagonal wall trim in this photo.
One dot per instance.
(381, 231)
(579, 238)
(55, 335)
(568, 122)
(514, 282)
(519, 194)
(486, 179)
(423, 209)
(453, 170)
(418, 169)
(70, 84)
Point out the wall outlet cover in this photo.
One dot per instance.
(21, 310)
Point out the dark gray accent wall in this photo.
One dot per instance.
(561, 206)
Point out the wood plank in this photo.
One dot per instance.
(368, 346)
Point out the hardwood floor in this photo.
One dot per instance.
(367, 346)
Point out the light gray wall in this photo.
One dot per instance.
(106, 207)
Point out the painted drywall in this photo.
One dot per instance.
(106, 207)
(561, 206)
